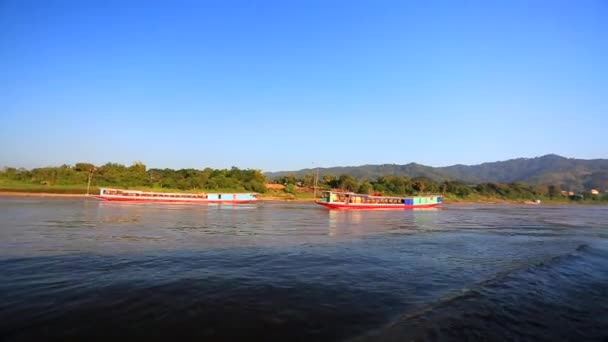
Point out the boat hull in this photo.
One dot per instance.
(172, 200)
(369, 206)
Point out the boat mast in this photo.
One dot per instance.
(89, 181)
(314, 196)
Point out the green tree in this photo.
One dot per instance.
(552, 191)
(289, 179)
(308, 180)
(83, 167)
(424, 185)
(365, 188)
(457, 188)
(290, 189)
(348, 182)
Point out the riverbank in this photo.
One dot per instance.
(50, 194)
(297, 199)
(38, 194)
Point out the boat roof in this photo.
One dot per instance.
(177, 193)
(378, 196)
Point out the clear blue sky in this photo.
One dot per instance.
(278, 85)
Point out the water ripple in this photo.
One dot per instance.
(87, 270)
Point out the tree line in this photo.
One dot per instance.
(138, 175)
(404, 185)
(235, 179)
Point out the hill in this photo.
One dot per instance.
(567, 173)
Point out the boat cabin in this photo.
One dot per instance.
(169, 195)
(349, 197)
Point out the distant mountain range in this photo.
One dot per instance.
(568, 173)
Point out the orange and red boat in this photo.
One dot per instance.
(349, 200)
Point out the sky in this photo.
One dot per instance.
(285, 85)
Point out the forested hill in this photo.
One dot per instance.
(568, 173)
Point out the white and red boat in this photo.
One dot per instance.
(106, 194)
(349, 200)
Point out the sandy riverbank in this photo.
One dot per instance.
(39, 194)
(49, 194)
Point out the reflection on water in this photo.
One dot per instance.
(364, 222)
(344, 222)
(83, 269)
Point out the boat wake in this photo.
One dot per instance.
(559, 298)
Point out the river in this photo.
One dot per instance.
(81, 269)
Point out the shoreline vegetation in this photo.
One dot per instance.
(71, 181)
(274, 196)
(297, 199)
